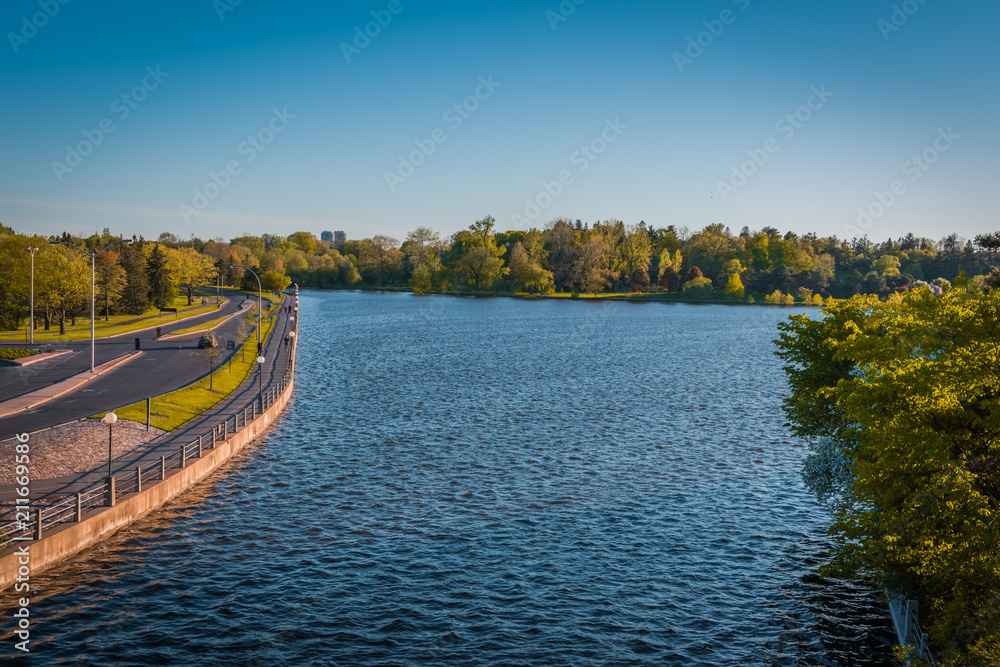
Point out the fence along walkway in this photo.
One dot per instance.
(57, 509)
(61, 508)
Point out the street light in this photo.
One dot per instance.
(93, 272)
(109, 419)
(32, 251)
(259, 309)
(260, 380)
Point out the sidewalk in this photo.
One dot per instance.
(278, 358)
(35, 398)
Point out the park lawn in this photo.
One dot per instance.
(211, 324)
(170, 411)
(265, 296)
(115, 325)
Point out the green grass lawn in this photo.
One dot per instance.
(265, 296)
(115, 325)
(172, 410)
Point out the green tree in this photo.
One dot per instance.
(109, 278)
(734, 287)
(62, 282)
(904, 393)
(272, 281)
(698, 289)
(481, 258)
(161, 284)
(528, 273)
(592, 266)
(380, 256)
(135, 292)
(189, 269)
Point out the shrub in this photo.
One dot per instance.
(777, 298)
(16, 353)
(698, 289)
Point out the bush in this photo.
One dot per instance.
(699, 289)
(16, 353)
(777, 298)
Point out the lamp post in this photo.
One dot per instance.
(259, 309)
(109, 419)
(260, 382)
(31, 327)
(93, 272)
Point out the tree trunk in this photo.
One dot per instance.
(190, 291)
(107, 306)
(62, 321)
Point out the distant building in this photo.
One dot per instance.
(339, 238)
(327, 238)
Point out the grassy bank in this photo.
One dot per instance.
(211, 324)
(665, 297)
(172, 410)
(115, 325)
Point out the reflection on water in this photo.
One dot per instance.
(479, 481)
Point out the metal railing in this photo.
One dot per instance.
(906, 619)
(58, 509)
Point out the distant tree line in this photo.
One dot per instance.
(128, 278)
(610, 256)
(565, 256)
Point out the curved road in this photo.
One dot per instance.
(163, 366)
(277, 357)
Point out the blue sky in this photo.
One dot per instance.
(209, 85)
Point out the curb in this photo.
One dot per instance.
(35, 358)
(127, 333)
(73, 382)
(193, 333)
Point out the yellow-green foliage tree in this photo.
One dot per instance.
(481, 258)
(901, 400)
(698, 289)
(779, 298)
(734, 286)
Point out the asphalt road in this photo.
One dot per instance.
(164, 365)
(277, 358)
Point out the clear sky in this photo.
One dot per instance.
(667, 112)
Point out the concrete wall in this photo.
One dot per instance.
(66, 540)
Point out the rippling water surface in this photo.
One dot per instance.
(488, 482)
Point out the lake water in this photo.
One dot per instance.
(488, 482)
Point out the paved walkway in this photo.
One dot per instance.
(163, 366)
(277, 358)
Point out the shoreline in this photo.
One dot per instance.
(645, 298)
